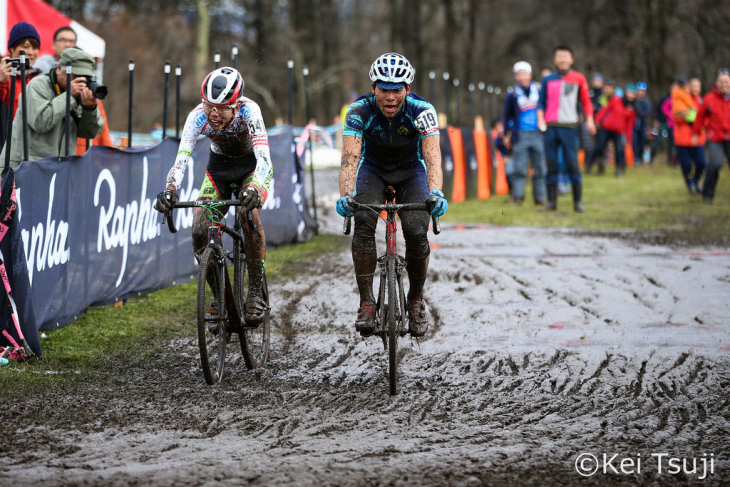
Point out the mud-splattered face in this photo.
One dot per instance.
(390, 101)
(219, 116)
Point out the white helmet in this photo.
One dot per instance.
(392, 68)
(222, 87)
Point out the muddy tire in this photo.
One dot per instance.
(392, 313)
(211, 319)
(255, 341)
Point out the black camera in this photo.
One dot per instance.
(97, 89)
(17, 60)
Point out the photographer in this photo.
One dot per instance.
(47, 110)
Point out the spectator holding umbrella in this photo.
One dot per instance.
(714, 115)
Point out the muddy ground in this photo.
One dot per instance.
(545, 345)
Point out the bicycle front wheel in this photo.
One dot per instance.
(392, 312)
(255, 341)
(211, 315)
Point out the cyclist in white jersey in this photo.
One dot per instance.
(239, 159)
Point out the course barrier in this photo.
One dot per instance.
(470, 166)
(91, 236)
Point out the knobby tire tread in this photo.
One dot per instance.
(392, 328)
(205, 267)
(255, 354)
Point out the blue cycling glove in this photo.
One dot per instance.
(343, 206)
(439, 202)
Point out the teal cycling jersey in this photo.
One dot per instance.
(391, 143)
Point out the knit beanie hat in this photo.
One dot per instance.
(20, 31)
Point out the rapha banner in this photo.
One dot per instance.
(91, 235)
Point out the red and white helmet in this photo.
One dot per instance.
(222, 87)
(392, 70)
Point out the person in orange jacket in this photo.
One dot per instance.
(689, 152)
(104, 138)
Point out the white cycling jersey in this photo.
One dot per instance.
(244, 135)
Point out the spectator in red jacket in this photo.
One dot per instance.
(714, 116)
(616, 123)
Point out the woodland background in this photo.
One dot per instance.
(475, 41)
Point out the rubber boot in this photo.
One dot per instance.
(552, 198)
(365, 263)
(577, 197)
(255, 305)
(417, 323)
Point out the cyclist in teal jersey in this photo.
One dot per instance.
(391, 138)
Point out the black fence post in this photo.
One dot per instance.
(164, 107)
(217, 59)
(472, 104)
(490, 105)
(481, 98)
(131, 97)
(234, 56)
(25, 105)
(447, 111)
(432, 87)
(497, 101)
(178, 72)
(11, 109)
(305, 71)
(457, 95)
(68, 108)
(290, 65)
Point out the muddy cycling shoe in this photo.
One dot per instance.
(417, 323)
(365, 322)
(255, 311)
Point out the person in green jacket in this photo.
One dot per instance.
(47, 111)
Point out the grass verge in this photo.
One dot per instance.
(106, 335)
(648, 199)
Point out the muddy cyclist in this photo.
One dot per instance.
(391, 138)
(239, 159)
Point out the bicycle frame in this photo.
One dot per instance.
(391, 322)
(391, 256)
(215, 230)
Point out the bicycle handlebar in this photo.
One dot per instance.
(392, 207)
(167, 215)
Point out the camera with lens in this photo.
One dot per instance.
(97, 89)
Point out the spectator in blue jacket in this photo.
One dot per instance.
(523, 137)
(643, 112)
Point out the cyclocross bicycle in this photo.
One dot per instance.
(215, 327)
(391, 320)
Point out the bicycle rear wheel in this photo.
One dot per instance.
(255, 341)
(211, 315)
(392, 312)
